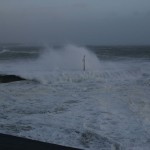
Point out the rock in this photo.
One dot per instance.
(10, 78)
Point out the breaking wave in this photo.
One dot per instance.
(52, 62)
(66, 64)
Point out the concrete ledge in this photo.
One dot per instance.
(9, 142)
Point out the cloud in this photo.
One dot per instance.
(81, 5)
(80, 21)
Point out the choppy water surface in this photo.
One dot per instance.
(105, 107)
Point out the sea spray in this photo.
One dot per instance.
(68, 58)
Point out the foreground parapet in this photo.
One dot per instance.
(9, 142)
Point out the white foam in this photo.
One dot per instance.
(86, 109)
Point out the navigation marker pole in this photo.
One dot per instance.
(83, 63)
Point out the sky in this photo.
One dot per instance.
(89, 22)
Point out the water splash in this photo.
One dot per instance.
(68, 58)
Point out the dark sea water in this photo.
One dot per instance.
(107, 106)
(9, 52)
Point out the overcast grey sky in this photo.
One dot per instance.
(75, 21)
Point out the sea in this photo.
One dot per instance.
(88, 97)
